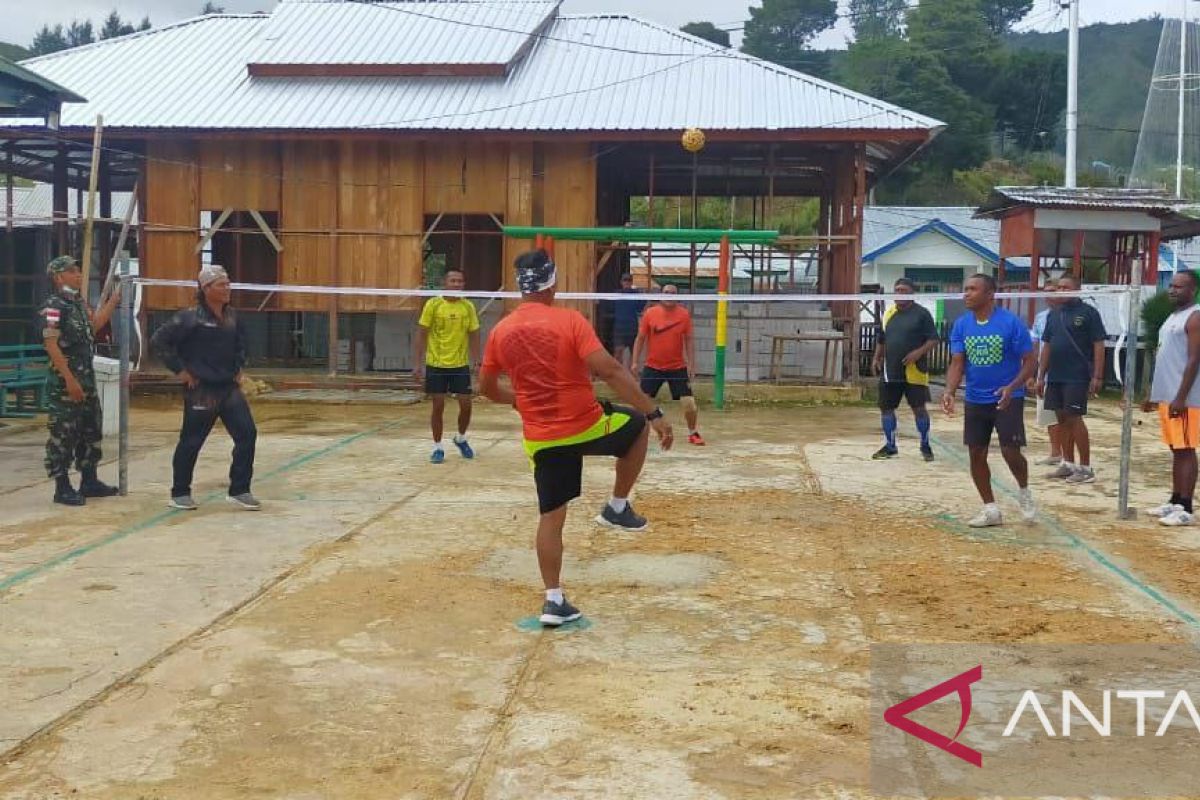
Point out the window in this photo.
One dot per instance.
(244, 249)
(472, 243)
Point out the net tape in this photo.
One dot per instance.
(623, 296)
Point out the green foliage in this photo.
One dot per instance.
(433, 270)
(114, 26)
(13, 52)
(48, 40)
(780, 30)
(210, 8)
(80, 33)
(1001, 15)
(1115, 65)
(956, 34)
(51, 40)
(706, 30)
(877, 19)
(1154, 313)
(1028, 94)
(791, 217)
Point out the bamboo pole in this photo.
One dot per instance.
(93, 177)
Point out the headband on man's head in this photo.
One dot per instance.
(211, 273)
(535, 272)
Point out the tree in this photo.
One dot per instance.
(1028, 91)
(209, 8)
(80, 33)
(1001, 15)
(956, 34)
(114, 26)
(48, 40)
(780, 30)
(904, 73)
(144, 25)
(706, 30)
(877, 19)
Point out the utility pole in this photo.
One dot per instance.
(1183, 76)
(1073, 94)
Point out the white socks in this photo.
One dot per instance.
(459, 438)
(554, 595)
(618, 504)
(437, 445)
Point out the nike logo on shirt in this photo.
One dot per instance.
(666, 328)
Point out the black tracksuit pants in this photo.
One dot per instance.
(202, 407)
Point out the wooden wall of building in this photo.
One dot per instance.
(353, 212)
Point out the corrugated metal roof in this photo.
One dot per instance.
(1113, 199)
(336, 32)
(586, 73)
(883, 225)
(33, 206)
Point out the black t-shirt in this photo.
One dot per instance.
(1071, 330)
(904, 330)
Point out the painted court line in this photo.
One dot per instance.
(1094, 553)
(21, 576)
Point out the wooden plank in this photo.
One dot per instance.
(466, 178)
(570, 200)
(89, 220)
(172, 194)
(241, 174)
(308, 201)
(266, 230)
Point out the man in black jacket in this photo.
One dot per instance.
(205, 347)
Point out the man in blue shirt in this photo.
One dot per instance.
(992, 347)
(625, 321)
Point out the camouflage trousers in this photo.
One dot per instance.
(75, 433)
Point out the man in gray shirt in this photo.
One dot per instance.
(1177, 395)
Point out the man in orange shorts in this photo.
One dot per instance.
(549, 355)
(1177, 396)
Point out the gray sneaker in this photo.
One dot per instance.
(246, 501)
(555, 614)
(1082, 475)
(628, 519)
(183, 502)
(1063, 472)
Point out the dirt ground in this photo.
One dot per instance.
(367, 635)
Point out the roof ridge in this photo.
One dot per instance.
(139, 34)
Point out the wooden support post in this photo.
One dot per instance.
(134, 202)
(1150, 276)
(10, 251)
(333, 307)
(1077, 256)
(89, 220)
(650, 224)
(61, 212)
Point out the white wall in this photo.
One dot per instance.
(931, 250)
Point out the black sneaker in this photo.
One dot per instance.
(97, 488)
(927, 452)
(628, 519)
(885, 452)
(555, 614)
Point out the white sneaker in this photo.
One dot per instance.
(1165, 510)
(1063, 471)
(1082, 475)
(1177, 518)
(1028, 507)
(1050, 461)
(989, 517)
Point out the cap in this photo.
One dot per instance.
(211, 273)
(535, 271)
(61, 264)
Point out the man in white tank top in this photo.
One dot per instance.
(1176, 394)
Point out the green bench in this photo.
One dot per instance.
(23, 372)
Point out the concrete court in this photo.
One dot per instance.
(366, 634)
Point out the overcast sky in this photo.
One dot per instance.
(22, 19)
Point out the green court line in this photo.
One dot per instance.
(1097, 555)
(21, 576)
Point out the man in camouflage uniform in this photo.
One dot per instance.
(68, 330)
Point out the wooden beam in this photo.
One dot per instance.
(10, 254)
(89, 220)
(212, 231)
(266, 229)
(604, 259)
(62, 212)
(112, 265)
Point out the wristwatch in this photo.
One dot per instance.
(655, 414)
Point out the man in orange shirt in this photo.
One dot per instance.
(666, 336)
(549, 355)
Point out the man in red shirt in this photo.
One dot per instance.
(666, 337)
(549, 355)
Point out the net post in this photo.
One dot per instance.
(125, 329)
(722, 324)
(1131, 350)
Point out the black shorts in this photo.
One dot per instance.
(891, 393)
(980, 419)
(624, 337)
(558, 470)
(676, 380)
(1070, 398)
(447, 380)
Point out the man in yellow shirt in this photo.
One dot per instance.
(447, 351)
